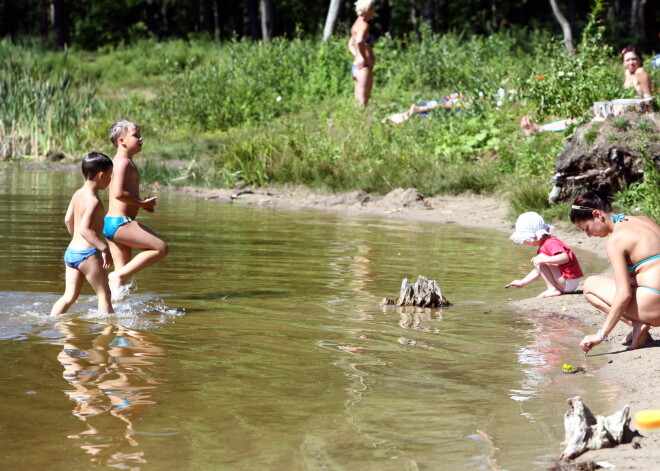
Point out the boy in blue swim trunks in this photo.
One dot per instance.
(120, 228)
(87, 256)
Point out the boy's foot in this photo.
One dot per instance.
(550, 293)
(639, 336)
(118, 290)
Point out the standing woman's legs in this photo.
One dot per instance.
(364, 81)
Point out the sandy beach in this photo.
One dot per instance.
(635, 371)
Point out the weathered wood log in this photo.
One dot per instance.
(605, 109)
(422, 293)
(585, 431)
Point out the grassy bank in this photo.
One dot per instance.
(244, 113)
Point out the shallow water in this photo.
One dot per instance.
(259, 343)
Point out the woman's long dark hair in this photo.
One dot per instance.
(596, 198)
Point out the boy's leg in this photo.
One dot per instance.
(73, 284)
(121, 255)
(139, 236)
(97, 277)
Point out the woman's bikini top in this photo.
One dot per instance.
(370, 40)
(631, 268)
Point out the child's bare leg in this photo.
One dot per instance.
(552, 277)
(121, 255)
(72, 288)
(139, 236)
(97, 277)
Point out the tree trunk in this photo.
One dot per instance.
(43, 22)
(251, 19)
(413, 17)
(427, 13)
(634, 17)
(493, 15)
(60, 25)
(565, 26)
(216, 20)
(266, 11)
(331, 19)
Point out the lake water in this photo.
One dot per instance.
(259, 343)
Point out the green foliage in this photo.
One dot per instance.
(621, 123)
(566, 85)
(591, 135)
(42, 111)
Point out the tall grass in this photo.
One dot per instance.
(40, 112)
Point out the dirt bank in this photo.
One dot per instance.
(636, 371)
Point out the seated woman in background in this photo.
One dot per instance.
(635, 76)
(633, 250)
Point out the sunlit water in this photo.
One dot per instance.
(259, 343)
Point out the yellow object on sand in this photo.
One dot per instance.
(647, 419)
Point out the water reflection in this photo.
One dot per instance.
(113, 380)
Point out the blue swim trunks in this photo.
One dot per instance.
(112, 223)
(74, 257)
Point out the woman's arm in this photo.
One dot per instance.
(616, 249)
(644, 82)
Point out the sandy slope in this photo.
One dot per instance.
(636, 371)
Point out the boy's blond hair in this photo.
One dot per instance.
(361, 6)
(119, 129)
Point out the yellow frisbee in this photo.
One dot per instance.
(647, 419)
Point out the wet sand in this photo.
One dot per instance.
(635, 371)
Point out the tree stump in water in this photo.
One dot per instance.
(422, 293)
(584, 431)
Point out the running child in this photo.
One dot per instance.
(555, 262)
(87, 256)
(120, 228)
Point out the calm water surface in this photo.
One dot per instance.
(259, 343)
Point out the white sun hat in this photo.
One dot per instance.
(530, 226)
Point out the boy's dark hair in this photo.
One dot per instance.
(635, 49)
(597, 198)
(95, 162)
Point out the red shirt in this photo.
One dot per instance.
(552, 246)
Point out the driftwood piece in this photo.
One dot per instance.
(585, 431)
(422, 293)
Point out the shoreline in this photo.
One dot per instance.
(635, 372)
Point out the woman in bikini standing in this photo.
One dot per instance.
(633, 250)
(360, 46)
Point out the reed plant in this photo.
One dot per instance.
(41, 111)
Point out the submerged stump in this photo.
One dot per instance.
(422, 293)
(586, 431)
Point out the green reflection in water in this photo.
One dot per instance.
(284, 358)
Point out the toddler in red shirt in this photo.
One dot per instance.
(555, 262)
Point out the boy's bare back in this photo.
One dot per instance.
(87, 211)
